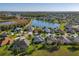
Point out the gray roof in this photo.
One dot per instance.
(38, 39)
(76, 39)
(50, 39)
(63, 39)
(18, 29)
(47, 30)
(4, 34)
(29, 28)
(20, 43)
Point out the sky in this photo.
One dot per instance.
(39, 6)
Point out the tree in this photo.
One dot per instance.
(4, 51)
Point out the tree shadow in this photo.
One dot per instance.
(73, 48)
(53, 49)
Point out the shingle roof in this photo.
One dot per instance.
(50, 39)
(7, 40)
(76, 39)
(37, 39)
(20, 43)
(64, 40)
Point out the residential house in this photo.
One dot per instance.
(38, 39)
(76, 39)
(4, 34)
(6, 41)
(50, 39)
(47, 30)
(63, 40)
(69, 29)
(20, 43)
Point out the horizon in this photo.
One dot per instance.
(39, 11)
(40, 7)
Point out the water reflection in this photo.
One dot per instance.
(38, 23)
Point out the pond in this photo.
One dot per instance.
(6, 23)
(38, 23)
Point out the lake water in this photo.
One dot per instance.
(7, 23)
(38, 23)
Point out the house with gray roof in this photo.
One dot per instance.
(3, 35)
(76, 39)
(20, 43)
(38, 39)
(47, 30)
(69, 28)
(63, 40)
(50, 39)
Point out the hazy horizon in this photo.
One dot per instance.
(42, 7)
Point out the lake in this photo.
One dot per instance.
(7, 23)
(38, 23)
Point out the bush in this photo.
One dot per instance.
(4, 51)
(30, 49)
(39, 46)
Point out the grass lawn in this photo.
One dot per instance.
(63, 51)
(4, 51)
(62, 26)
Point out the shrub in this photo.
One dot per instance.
(4, 51)
(30, 49)
(39, 46)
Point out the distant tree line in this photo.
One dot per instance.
(7, 17)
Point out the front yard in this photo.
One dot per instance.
(62, 51)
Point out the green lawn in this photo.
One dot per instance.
(63, 51)
(62, 26)
(4, 51)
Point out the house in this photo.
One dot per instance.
(74, 35)
(50, 39)
(4, 34)
(35, 32)
(18, 29)
(63, 40)
(6, 41)
(47, 30)
(59, 31)
(38, 39)
(29, 28)
(68, 26)
(76, 29)
(30, 33)
(76, 39)
(69, 29)
(20, 43)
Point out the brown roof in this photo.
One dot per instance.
(6, 41)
